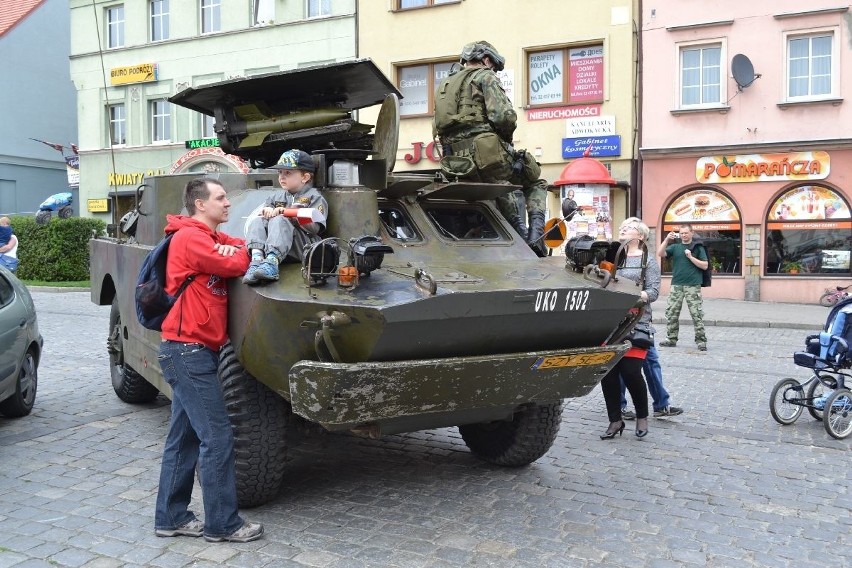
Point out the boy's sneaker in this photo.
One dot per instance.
(668, 343)
(267, 271)
(251, 274)
(192, 528)
(668, 411)
(628, 415)
(246, 533)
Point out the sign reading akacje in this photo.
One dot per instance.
(141, 73)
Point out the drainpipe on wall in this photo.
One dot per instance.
(636, 165)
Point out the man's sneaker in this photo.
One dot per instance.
(668, 411)
(192, 528)
(668, 343)
(702, 347)
(251, 274)
(246, 533)
(628, 415)
(267, 271)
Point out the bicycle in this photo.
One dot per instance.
(831, 297)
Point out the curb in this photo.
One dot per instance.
(58, 289)
(753, 324)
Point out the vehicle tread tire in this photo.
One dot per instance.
(129, 386)
(22, 401)
(517, 442)
(259, 418)
(838, 421)
(777, 404)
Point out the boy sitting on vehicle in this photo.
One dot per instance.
(271, 236)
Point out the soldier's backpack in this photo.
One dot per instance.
(152, 301)
(454, 108)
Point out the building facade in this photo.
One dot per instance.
(39, 102)
(570, 72)
(745, 134)
(128, 58)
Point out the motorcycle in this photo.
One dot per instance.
(831, 297)
(59, 202)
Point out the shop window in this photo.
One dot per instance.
(808, 232)
(566, 76)
(418, 83)
(159, 20)
(115, 26)
(701, 72)
(810, 67)
(211, 16)
(716, 222)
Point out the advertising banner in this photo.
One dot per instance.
(763, 167)
(585, 78)
(598, 145)
(72, 169)
(704, 206)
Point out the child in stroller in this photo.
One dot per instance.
(825, 394)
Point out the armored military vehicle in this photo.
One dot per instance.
(436, 313)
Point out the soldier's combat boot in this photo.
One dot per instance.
(518, 224)
(535, 238)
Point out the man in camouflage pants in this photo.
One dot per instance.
(688, 262)
(475, 119)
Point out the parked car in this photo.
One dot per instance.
(21, 347)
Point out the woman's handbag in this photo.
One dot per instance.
(641, 339)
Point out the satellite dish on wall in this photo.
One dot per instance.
(743, 71)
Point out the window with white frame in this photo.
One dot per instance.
(115, 26)
(701, 76)
(117, 125)
(810, 66)
(263, 12)
(161, 120)
(211, 16)
(317, 8)
(407, 4)
(159, 20)
(207, 126)
(418, 83)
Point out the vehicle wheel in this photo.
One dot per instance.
(782, 410)
(65, 212)
(515, 442)
(816, 390)
(129, 385)
(259, 418)
(42, 217)
(828, 299)
(22, 401)
(837, 417)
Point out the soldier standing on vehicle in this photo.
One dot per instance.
(474, 119)
(194, 331)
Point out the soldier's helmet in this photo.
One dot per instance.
(476, 50)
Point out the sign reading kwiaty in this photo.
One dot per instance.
(763, 167)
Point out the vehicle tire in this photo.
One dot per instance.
(816, 390)
(22, 401)
(837, 417)
(515, 442)
(259, 418)
(828, 299)
(42, 217)
(782, 411)
(65, 212)
(129, 385)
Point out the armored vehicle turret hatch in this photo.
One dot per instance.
(438, 314)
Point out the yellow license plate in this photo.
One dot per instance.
(577, 360)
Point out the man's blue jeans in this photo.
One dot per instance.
(654, 377)
(199, 433)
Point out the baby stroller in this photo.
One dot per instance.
(826, 394)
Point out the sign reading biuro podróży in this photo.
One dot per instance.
(598, 146)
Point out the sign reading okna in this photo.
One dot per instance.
(598, 146)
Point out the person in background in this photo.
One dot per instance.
(629, 368)
(686, 284)
(194, 331)
(651, 368)
(8, 245)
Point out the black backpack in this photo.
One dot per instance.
(707, 273)
(152, 301)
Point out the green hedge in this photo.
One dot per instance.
(57, 251)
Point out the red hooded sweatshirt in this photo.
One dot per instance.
(200, 314)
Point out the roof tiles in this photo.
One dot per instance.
(15, 11)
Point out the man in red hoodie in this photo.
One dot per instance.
(193, 333)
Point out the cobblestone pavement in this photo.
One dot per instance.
(722, 485)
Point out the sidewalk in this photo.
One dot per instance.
(739, 313)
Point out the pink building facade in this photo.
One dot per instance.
(746, 134)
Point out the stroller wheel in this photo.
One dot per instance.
(780, 406)
(818, 389)
(837, 416)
